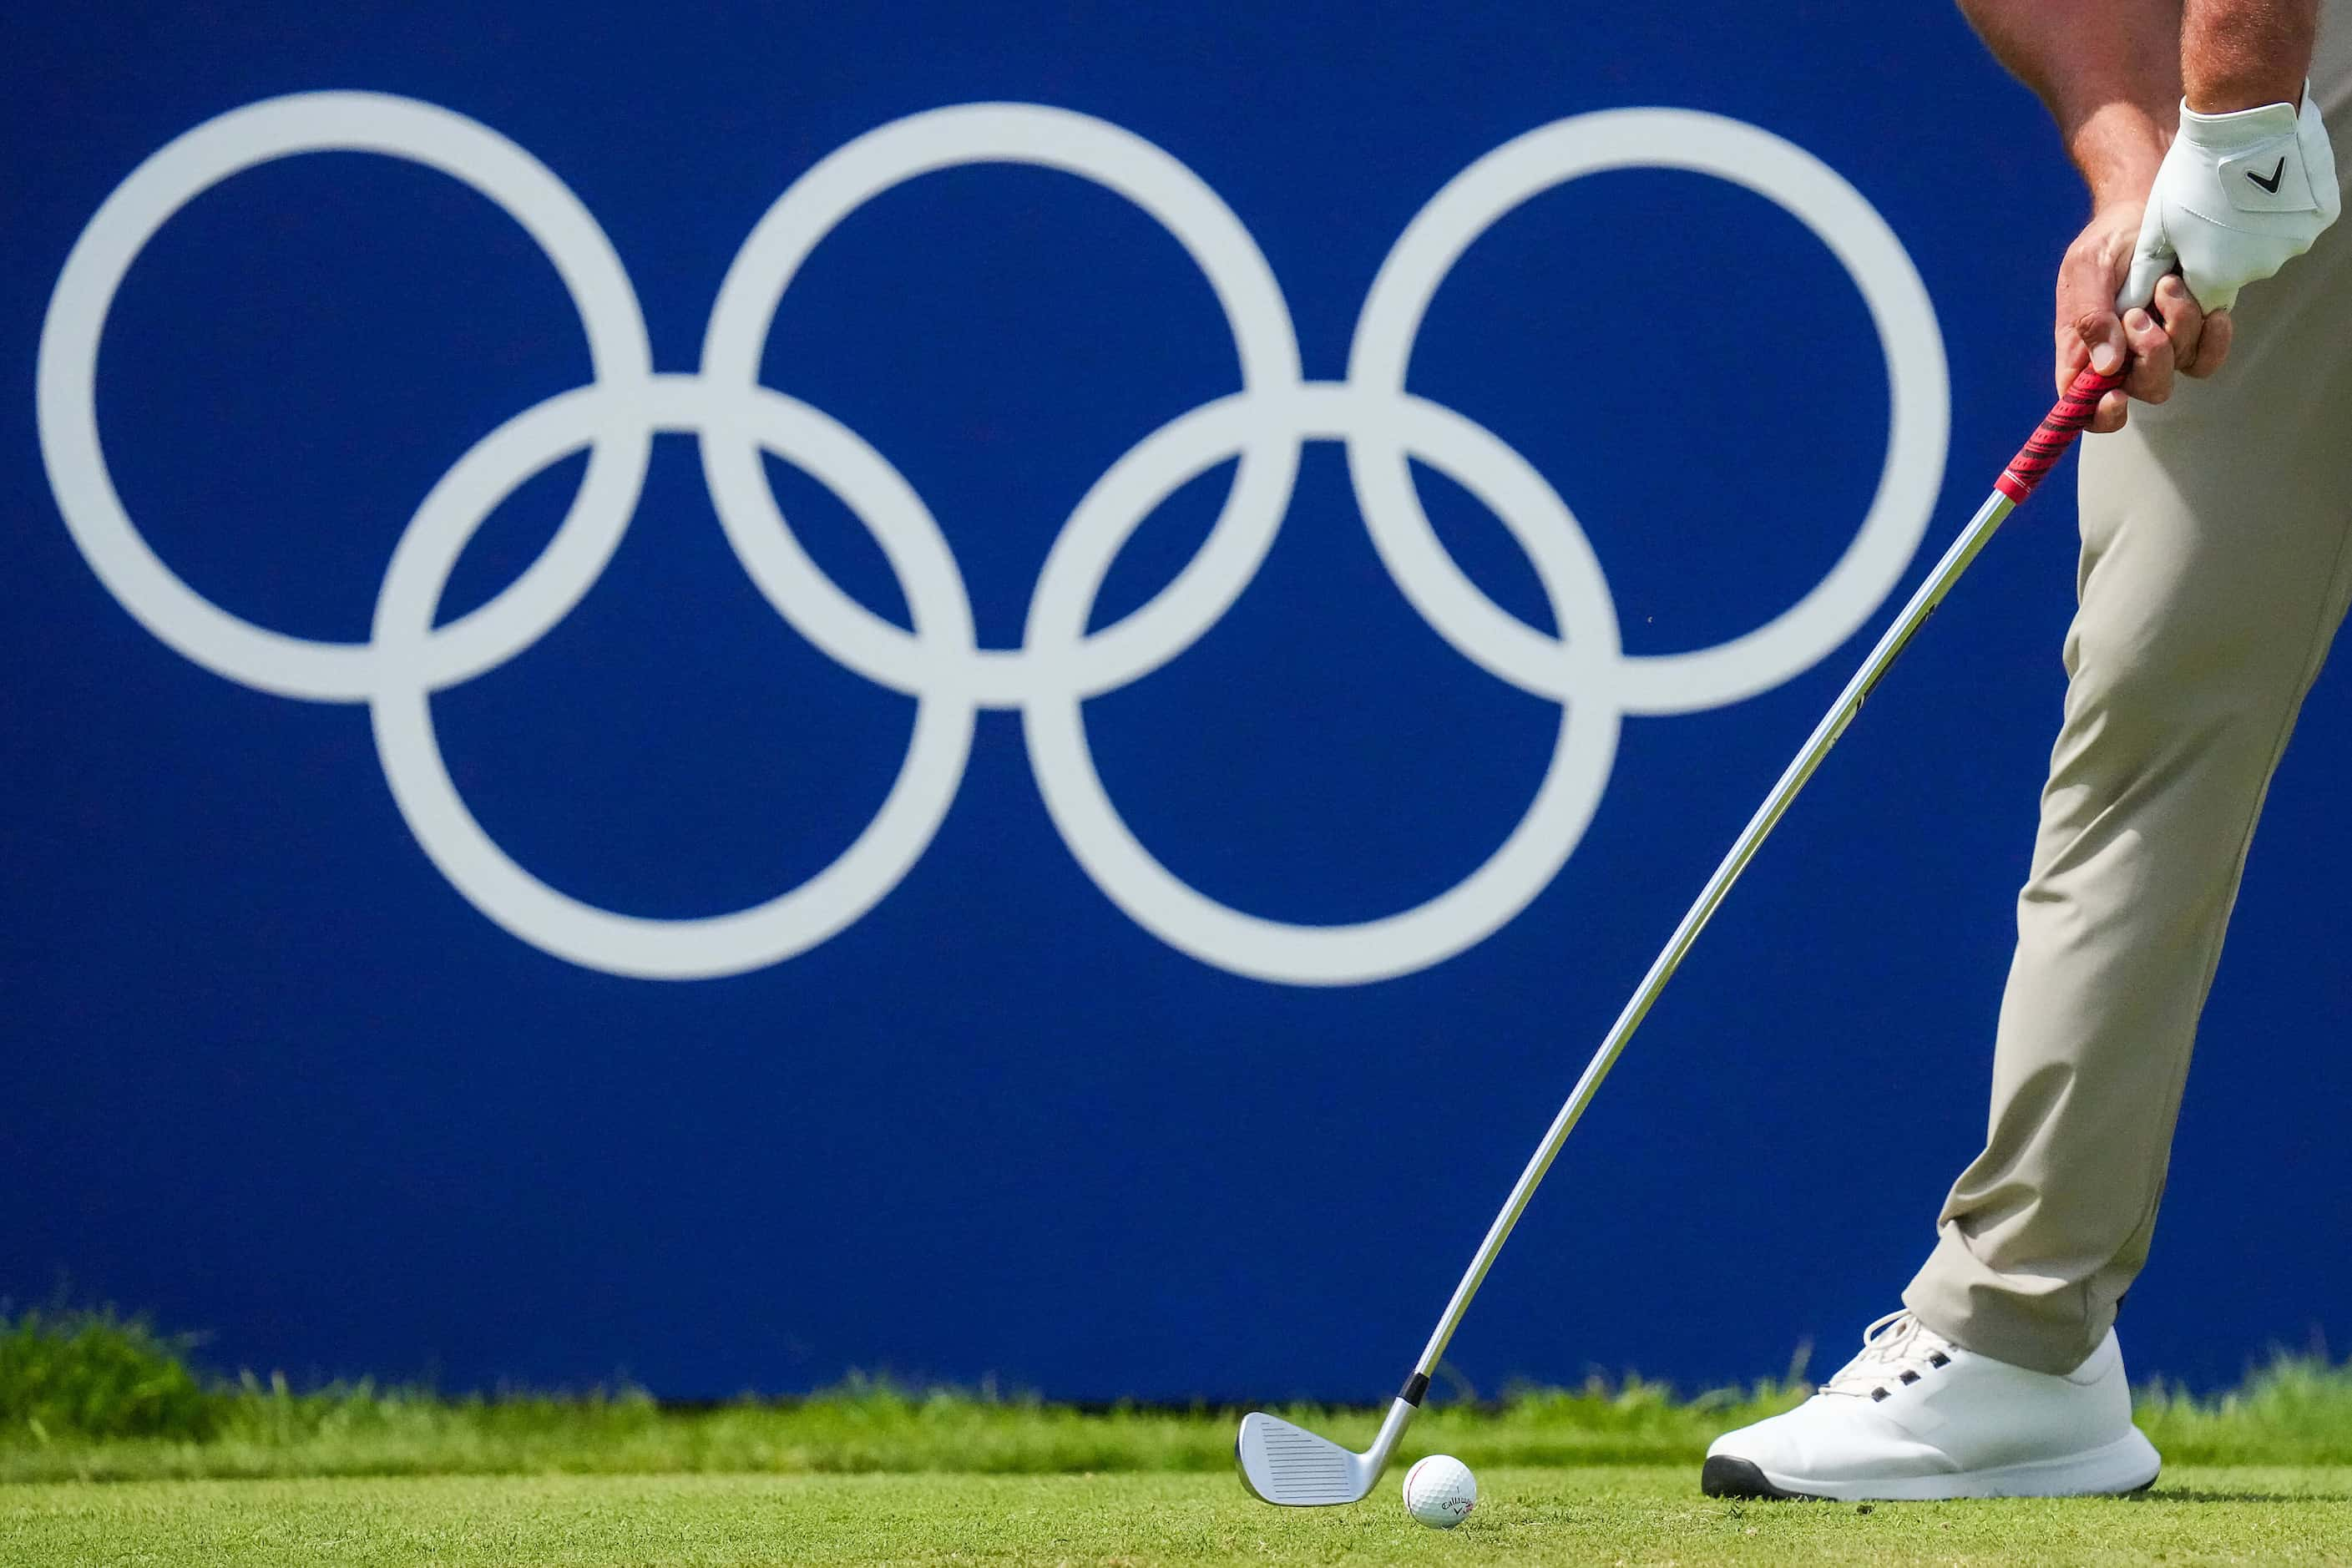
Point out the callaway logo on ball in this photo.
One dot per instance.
(1440, 1491)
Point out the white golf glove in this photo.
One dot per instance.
(2238, 196)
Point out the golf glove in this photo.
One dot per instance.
(2238, 196)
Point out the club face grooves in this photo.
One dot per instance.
(1293, 1468)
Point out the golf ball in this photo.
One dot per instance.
(1440, 1491)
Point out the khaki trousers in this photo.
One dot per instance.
(2216, 566)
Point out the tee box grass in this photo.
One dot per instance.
(114, 1450)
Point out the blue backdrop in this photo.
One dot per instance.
(305, 1061)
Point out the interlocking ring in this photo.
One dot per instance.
(1060, 662)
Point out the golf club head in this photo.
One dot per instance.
(1290, 1466)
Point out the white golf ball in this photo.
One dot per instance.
(1440, 1491)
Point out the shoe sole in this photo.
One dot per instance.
(2128, 1464)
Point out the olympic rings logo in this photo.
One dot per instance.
(1059, 663)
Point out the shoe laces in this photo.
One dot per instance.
(1897, 1348)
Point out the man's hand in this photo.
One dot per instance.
(2167, 337)
(2116, 75)
(2239, 195)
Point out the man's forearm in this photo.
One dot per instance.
(2109, 72)
(2242, 54)
(2113, 72)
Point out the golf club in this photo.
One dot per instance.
(1285, 1464)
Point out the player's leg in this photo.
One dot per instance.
(2217, 565)
(2215, 574)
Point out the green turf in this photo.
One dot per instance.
(270, 1432)
(92, 1397)
(250, 1471)
(1592, 1515)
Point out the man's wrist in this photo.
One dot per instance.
(2226, 95)
(2117, 146)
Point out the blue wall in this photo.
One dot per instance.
(267, 1069)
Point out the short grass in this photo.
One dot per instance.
(119, 1453)
(1590, 1515)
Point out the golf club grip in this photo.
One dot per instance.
(2059, 428)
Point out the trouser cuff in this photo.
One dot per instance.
(2036, 1321)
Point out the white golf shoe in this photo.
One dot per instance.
(1917, 1416)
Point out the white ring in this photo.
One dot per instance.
(554, 921)
(1094, 150)
(1582, 661)
(1808, 189)
(194, 163)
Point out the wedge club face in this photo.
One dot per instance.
(1288, 1466)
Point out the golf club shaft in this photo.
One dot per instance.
(2057, 431)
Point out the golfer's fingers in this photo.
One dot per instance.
(2093, 336)
(2071, 355)
(2150, 376)
(2088, 331)
(2096, 337)
(2221, 331)
(2089, 343)
(2184, 322)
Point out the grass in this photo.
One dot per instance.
(248, 1471)
(256, 1430)
(95, 1374)
(96, 1397)
(1603, 1515)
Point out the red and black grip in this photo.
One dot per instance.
(2065, 421)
